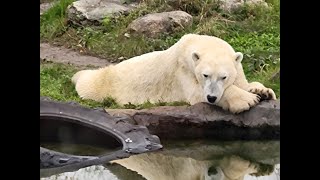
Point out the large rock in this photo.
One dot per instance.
(225, 5)
(45, 6)
(230, 5)
(203, 120)
(155, 24)
(89, 12)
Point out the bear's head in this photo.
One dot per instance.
(213, 62)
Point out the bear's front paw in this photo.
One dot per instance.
(263, 92)
(243, 102)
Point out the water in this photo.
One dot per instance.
(189, 160)
(79, 149)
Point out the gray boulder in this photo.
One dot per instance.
(230, 5)
(202, 120)
(89, 12)
(152, 25)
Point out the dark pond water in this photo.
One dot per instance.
(183, 160)
(79, 149)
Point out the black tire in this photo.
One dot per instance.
(135, 139)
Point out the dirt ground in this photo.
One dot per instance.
(68, 56)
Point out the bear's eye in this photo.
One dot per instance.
(205, 75)
(224, 77)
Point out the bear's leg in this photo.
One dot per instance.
(253, 87)
(241, 80)
(237, 100)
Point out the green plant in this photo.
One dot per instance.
(53, 21)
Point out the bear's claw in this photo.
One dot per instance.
(264, 93)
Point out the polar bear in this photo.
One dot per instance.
(197, 68)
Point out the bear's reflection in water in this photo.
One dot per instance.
(196, 160)
(157, 166)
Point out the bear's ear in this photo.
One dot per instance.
(239, 57)
(195, 56)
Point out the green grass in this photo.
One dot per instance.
(53, 22)
(254, 31)
(247, 30)
(55, 82)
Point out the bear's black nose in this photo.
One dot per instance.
(211, 99)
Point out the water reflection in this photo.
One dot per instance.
(192, 160)
(78, 149)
